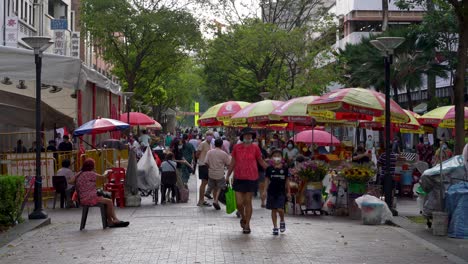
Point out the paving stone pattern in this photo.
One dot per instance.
(185, 233)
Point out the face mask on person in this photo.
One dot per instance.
(444, 147)
(290, 146)
(247, 141)
(209, 138)
(180, 146)
(426, 143)
(277, 159)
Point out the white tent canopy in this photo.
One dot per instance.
(61, 75)
(62, 71)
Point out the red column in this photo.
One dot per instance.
(93, 140)
(110, 105)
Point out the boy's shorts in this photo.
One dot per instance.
(275, 201)
(216, 184)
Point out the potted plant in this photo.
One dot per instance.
(358, 176)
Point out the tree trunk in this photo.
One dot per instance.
(384, 15)
(431, 91)
(410, 100)
(459, 85)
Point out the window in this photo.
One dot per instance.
(22, 12)
(51, 8)
(16, 7)
(33, 18)
(30, 15)
(25, 18)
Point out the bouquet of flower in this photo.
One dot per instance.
(357, 173)
(311, 171)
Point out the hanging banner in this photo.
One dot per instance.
(11, 31)
(75, 44)
(197, 110)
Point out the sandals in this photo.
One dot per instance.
(282, 227)
(275, 231)
(119, 224)
(242, 223)
(246, 230)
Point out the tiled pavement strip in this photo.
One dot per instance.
(185, 233)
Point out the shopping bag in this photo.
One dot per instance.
(230, 200)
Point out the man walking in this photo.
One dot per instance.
(244, 165)
(216, 160)
(202, 150)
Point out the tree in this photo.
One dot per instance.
(141, 39)
(175, 89)
(363, 64)
(256, 57)
(385, 14)
(460, 9)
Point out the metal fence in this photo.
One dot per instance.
(18, 159)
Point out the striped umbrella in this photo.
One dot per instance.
(294, 110)
(355, 104)
(99, 126)
(443, 116)
(378, 123)
(216, 115)
(255, 113)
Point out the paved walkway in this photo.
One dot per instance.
(185, 233)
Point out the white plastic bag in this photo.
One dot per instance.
(148, 172)
(373, 210)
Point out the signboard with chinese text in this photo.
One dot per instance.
(58, 24)
(60, 42)
(75, 44)
(11, 31)
(25, 165)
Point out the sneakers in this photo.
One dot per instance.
(207, 195)
(216, 206)
(204, 204)
(282, 227)
(275, 231)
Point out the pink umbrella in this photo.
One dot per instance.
(318, 137)
(137, 119)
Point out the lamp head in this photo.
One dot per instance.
(38, 43)
(387, 44)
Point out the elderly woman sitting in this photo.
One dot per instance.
(85, 182)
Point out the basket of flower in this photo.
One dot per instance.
(358, 176)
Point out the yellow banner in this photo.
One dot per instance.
(197, 110)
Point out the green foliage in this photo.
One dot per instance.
(363, 66)
(143, 44)
(11, 198)
(255, 57)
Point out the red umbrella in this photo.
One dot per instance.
(318, 137)
(137, 119)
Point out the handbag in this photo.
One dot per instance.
(230, 195)
(222, 195)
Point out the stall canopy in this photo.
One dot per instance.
(61, 77)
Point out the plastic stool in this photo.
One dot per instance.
(84, 215)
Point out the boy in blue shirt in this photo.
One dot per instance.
(277, 184)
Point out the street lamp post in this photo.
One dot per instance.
(387, 45)
(128, 96)
(38, 44)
